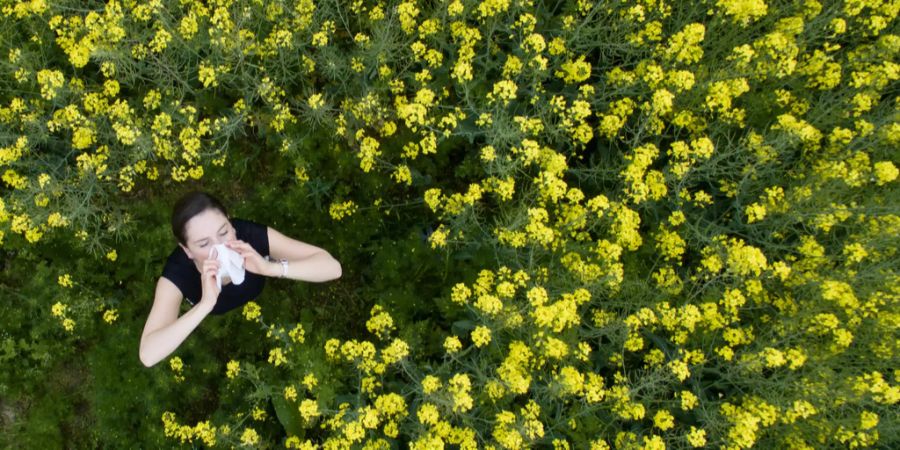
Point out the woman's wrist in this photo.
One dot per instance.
(275, 269)
(206, 305)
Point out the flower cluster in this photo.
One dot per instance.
(685, 228)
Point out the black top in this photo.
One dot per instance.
(181, 270)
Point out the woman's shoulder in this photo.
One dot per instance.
(248, 228)
(177, 259)
(177, 267)
(238, 222)
(183, 274)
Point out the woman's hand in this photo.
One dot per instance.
(210, 292)
(253, 261)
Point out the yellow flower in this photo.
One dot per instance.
(41, 200)
(504, 188)
(43, 179)
(670, 244)
(309, 409)
(160, 40)
(679, 369)
(112, 255)
(188, 26)
(297, 334)
(315, 101)
(773, 357)
(207, 75)
(460, 293)
(206, 432)
(110, 315)
(571, 381)
(513, 370)
(558, 47)
(249, 437)
(408, 13)
(290, 393)
(33, 235)
(58, 309)
(428, 414)
(438, 238)
(397, 350)
(696, 437)
(574, 71)
(481, 336)
(402, 175)
(430, 384)
(745, 259)
(68, 324)
(276, 357)
(663, 420)
(688, 400)
(488, 153)
(301, 174)
(885, 172)
(251, 310)
(490, 8)
(743, 11)
(460, 385)
(354, 431)
(855, 252)
(152, 99)
(51, 81)
(505, 289)
(310, 381)
(232, 368)
(340, 210)
(504, 90)
(331, 348)
(755, 212)
(868, 420)
(110, 88)
(176, 364)
(452, 344)
(82, 138)
(258, 413)
(684, 46)
(65, 280)
(489, 304)
(381, 323)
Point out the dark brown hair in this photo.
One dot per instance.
(188, 206)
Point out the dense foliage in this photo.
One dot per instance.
(621, 224)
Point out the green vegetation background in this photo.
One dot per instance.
(87, 388)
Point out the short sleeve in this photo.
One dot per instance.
(178, 270)
(170, 273)
(257, 235)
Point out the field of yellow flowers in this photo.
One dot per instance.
(629, 224)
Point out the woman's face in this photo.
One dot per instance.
(204, 231)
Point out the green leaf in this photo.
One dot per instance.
(289, 416)
(461, 327)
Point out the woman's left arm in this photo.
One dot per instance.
(305, 262)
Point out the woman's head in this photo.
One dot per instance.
(200, 221)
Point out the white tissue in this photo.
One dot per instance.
(231, 263)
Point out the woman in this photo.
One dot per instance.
(200, 222)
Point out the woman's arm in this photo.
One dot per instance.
(307, 262)
(164, 330)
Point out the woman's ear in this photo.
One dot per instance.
(186, 251)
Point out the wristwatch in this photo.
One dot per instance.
(284, 266)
